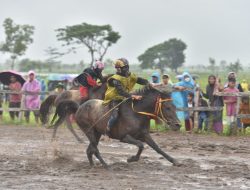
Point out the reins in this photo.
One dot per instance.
(158, 109)
(106, 114)
(157, 113)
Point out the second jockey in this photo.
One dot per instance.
(88, 78)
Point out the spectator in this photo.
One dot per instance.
(14, 99)
(196, 85)
(155, 78)
(189, 121)
(166, 80)
(231, 101)
(60, 88)
(203, 115)
(43, 89)
(245, 85)
(50, 85)
(1, 112)
(32, 100)
(179, 97)
(6, 96)
(245, 109)
(233, 75)
(239, 87)
(215, 118)
(179, 78)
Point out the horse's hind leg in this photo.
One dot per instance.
(54, 132)
(130, 140)
(91, 149)
(94, 138)
(148, 139)
(69, 126)
(90, 153)
(98, 156)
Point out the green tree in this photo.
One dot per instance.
(96, 38)
(223, 65)
(81, 65)
(17, 39)
(28, 64)
(212, 64)
(109, 62)
(51, 61)
(167, 54)
(235, 67)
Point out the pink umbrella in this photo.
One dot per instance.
(5, 77)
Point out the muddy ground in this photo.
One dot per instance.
(29, 160)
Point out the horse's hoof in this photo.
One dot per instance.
(106, 167)
(176, 163)
(91, 165)
(132, 159)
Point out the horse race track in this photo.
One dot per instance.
(29, 160)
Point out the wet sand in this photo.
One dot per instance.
(29, 160)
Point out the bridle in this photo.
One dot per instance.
(158, 109)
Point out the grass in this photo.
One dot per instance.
(8, 121)
(202, 81)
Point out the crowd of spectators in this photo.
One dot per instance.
(185, 91)
(184, 97)
(29, 95)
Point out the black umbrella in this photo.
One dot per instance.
(5, 77)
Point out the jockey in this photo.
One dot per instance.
(119, 86)
(89, 77)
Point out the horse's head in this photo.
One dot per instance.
(169, 114)
(167, 110)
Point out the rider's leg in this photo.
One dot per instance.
(84, 91)
(113, 117)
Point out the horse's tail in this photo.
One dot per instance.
(46, 107)
(64, 108)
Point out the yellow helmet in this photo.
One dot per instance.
(122, 62)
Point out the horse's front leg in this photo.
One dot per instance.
(130, 140)
(148, 139)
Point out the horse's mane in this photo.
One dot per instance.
(149, 88)
(143, 90)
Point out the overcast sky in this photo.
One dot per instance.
(210, 28)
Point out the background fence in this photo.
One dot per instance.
(196, 108)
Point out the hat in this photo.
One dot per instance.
(228, 75)
(31, 72)
(179, 76)
(155, 74)
(165, 75)
(122, 62)
(60, 85)
(99, 65)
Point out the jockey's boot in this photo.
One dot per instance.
(112, 121)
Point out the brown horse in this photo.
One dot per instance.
(133, 121)
(74, 95)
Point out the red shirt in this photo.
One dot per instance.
(16, 86)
